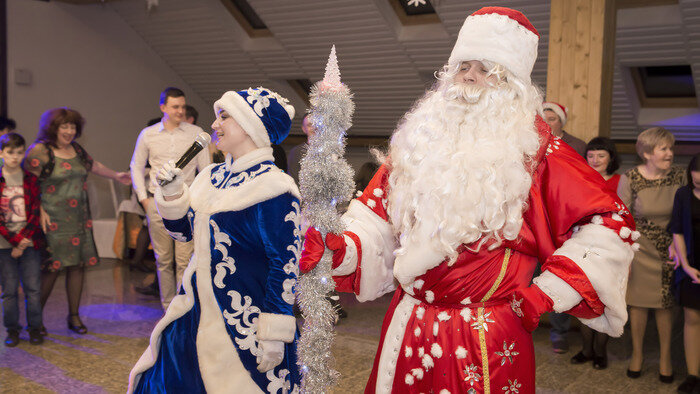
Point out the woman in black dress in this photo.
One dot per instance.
(685, 227)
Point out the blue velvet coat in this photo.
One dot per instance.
(238, 288)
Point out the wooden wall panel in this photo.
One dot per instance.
(581, 43)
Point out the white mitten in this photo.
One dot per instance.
(270, 355)
(173, 174)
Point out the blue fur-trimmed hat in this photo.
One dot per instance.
(263, 114)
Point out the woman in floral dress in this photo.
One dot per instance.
(62, 166)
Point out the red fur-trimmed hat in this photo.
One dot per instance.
(501, 35)
(558, 109)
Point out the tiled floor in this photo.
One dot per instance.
(120, 320)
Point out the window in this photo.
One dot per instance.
(414, 12)
(665, 86)
(247, 18)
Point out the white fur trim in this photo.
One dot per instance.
(238, 108)
(393, 338)
(605, 259)
(173, 209)
(250, 159)
(209, 200)
(556, 109)
(562, 294)
(436, 350)
(499, 39)
(276, 327)
(349, 263)
(218, 359)
(461, 353)
(418, 257)
(377, 245)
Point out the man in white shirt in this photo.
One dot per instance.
(156, 145)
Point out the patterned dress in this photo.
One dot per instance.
(237, 290)
(651, 203)
(64, 198)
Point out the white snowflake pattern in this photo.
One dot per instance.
(416, 3)
(482, 322)
(512, 387)
(472, 376)
(179, 237)
(278, 382)
(241, 320)
(222, 242)
(292, 267)
(508, 353)
(259, 101)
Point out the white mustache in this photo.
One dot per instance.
(469, 93)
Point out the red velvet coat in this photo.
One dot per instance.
(457, 328)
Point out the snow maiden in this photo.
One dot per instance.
(231, 328)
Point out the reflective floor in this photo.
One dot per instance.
(119, 322)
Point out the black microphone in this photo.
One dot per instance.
(202, 140)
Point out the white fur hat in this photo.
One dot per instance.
(501, 35)
(558, 109)
(264, 115)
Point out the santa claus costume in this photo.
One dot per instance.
(474, 192)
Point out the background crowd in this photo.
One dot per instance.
(46, 225)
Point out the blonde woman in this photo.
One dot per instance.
(648, 190)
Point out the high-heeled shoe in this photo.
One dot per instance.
(668, 379)
(633, 374)
(76, 328)
(580, 358)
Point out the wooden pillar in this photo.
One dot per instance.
(580, 64)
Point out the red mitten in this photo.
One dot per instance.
(336, 243)
(313, 250)
(529, 304)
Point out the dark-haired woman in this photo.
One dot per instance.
(602, 156)
(685, 227)
(62, 166)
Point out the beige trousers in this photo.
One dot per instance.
(165, 248)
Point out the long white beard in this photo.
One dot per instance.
(458, 168)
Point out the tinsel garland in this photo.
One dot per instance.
(325, 180)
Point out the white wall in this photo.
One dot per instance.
(87, 58)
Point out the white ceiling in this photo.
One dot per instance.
(386, 65)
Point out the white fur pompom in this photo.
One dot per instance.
(461, 352)
(635, 235)
(427, 362)
(429, 296)
(625, 232)
(418, 373)
(436, 350)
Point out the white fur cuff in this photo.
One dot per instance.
(276, 327)
(562, 294)
(173, 209)
(349, 263)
